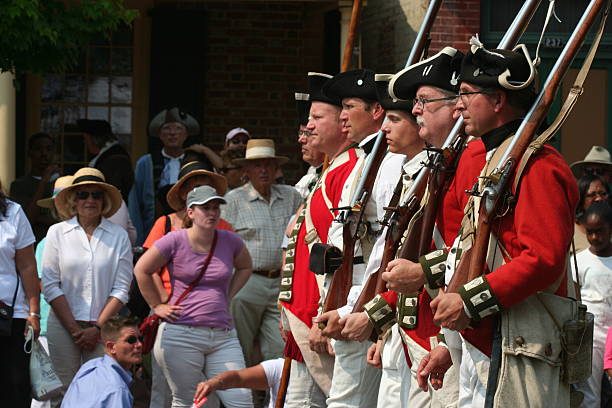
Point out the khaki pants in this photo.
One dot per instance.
(66, 356)
(256, 314)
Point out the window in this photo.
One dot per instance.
(99, 86)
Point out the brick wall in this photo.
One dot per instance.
(258, 55)
(456, 22)
(389, 28)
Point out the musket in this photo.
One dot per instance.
(351, 217)
(497, 184)
(418, 238)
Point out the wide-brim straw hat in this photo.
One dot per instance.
(261, 149)
(83, 177)
(598, 155)
(189, 170)
(60, 184)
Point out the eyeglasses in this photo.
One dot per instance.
(602, 194)
(596, 171)
(84, 195)
(420, 102)
(133, 339)
(176, 128)
(465, 96)
(305, 133)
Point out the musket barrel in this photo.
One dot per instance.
(538, 110)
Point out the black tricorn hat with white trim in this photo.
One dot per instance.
(316, 81)
(302, 107)
(500, 69)
(385, 100)
(440, 70)
(358, 83)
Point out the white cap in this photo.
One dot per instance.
(236, 131)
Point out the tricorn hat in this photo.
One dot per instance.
(88, 176)
(440, 71)
(385, 100)
(358, 83)
(302, 107)
(174, 115)
(316, 81)
(261, 149)
(189, 170)
(598, 155)
(500, 69)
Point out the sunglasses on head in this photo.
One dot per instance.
(133, 339)
(84, 195)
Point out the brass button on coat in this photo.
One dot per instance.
(520, 341)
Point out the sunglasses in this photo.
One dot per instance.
(133, 339)
(84, 195)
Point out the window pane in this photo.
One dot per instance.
(97, 112)
(49, 119)
(99, 60)
(79, 67)
(71, 115)
(98, 90)
(122, 61)
(121, 89)
(52, 88)
(121, 120)
(74, 90)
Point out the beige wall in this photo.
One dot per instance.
(587, 124)
(7, 130)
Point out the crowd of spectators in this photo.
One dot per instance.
(109, 234)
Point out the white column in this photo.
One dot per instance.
(346, 9)
(7, 130)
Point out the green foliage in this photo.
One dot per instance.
(38, 36)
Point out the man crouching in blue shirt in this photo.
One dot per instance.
(104, 382)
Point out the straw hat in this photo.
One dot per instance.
(60, 184)
(261, 149)
(597, 156)
(189, 170)
(83, 177)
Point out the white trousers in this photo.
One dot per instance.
(390, 380)
(188, 354)
(303, 390)
(66, 356)
(355, 383)
(472, 390)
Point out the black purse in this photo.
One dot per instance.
(6, 314)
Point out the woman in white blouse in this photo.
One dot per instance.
(87, 271)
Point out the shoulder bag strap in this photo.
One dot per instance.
(168, 226)
(204, 267)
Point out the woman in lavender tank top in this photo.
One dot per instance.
(197, 339)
